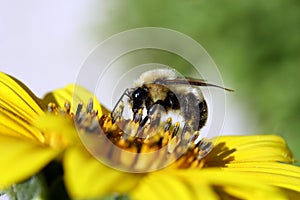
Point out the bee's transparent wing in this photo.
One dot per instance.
(191, 81)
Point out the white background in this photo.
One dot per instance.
(43, 43)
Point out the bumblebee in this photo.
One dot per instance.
(162, 91)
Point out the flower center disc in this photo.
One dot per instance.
(125, 145)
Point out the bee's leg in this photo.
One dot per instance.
(138, 116)
(155, 120)
(186, 129)
(144, 121)
(204, 147)
(117, 111)
(155, 108)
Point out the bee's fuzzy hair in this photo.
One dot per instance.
(152, 75)
(166, 74)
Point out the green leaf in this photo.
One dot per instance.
(31, 189)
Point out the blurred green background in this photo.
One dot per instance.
(255, 44)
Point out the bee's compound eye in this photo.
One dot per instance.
(138, 97)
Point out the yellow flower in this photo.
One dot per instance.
(33, 132)
(25, 145)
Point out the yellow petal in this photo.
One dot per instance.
(278, 174)
(230, 149)
(74, 94)
(15, 97)
(164, 185)
(18, 109)
(235, 184)
(14, 125)
(59, 130)
(21, 159)
(86, 177)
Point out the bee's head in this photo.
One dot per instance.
(138, 97)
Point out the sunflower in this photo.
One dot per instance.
(70, 127)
